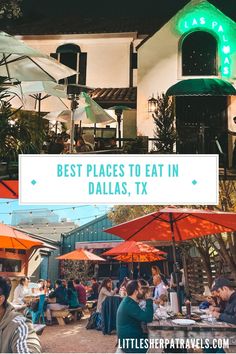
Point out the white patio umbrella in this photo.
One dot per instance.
(88, 112)
(19, 62)
(80, 115)
(40, 96)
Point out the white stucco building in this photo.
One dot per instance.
(198, 42)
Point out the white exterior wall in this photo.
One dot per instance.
(157, 71)
(159, 68)
(108, 56)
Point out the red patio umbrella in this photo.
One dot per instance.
(12, 238)
(80, 255)
(175, 225)
(139, 258)
(132, 247)
(8, 189)
(133, 251)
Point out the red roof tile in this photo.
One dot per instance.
(108, 97)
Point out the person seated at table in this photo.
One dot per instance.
(60, 294)
(72, 295)
(215, 303)
(48, 285)
(112, 143)
(122, 290)
(160, 287)
(156, 271)
(81, 292)
(226, 292)
(94, 290)
(17, 334)
(21, 291)
(41, 286)
(130, 317)
(105, 290)
(64, 283)
(81, 146)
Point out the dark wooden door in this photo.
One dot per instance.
(200, 122)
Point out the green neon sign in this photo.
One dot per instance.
(207, 18)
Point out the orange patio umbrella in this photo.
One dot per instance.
(137, 258)
(8, 189)
(133, 247)
(80, 255)
(12, 238)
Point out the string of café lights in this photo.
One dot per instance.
(35, 211)
(62, 222)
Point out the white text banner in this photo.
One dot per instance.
(119, 179)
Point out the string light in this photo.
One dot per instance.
(31, 212)
(7, 203)
(62, 222)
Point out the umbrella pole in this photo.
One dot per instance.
(39, 117)
(118, 113)
(175, 262)
(94, 131)
(72, 129)
(132, 267)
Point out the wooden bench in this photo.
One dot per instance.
(61, 315)
(76, 313)
(91, 305)
(39, 328)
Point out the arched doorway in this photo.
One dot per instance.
(201, 111)
(201, 123)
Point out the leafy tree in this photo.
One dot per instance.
(164, 131)
(15, 135)
(37, 126)
(10, 9)
(220, 245)
(76, 269)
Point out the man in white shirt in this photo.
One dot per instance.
(160, 287)
(21, 291)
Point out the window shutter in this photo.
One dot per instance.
(54, 55)
(82, 68)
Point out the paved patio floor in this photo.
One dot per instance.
(75, 338)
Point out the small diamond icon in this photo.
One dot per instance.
(194, 182)
(33, 182)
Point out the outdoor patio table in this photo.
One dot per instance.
(166, 329)
(19, 308)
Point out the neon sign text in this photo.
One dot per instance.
(215, 24)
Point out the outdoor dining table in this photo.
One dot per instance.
(166, 329)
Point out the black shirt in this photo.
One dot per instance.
(229, 313)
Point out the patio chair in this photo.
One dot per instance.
(37, 315)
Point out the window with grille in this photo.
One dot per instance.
(71, 56)
(199, 54)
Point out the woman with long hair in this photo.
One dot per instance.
(72, 295)
(105, 290)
